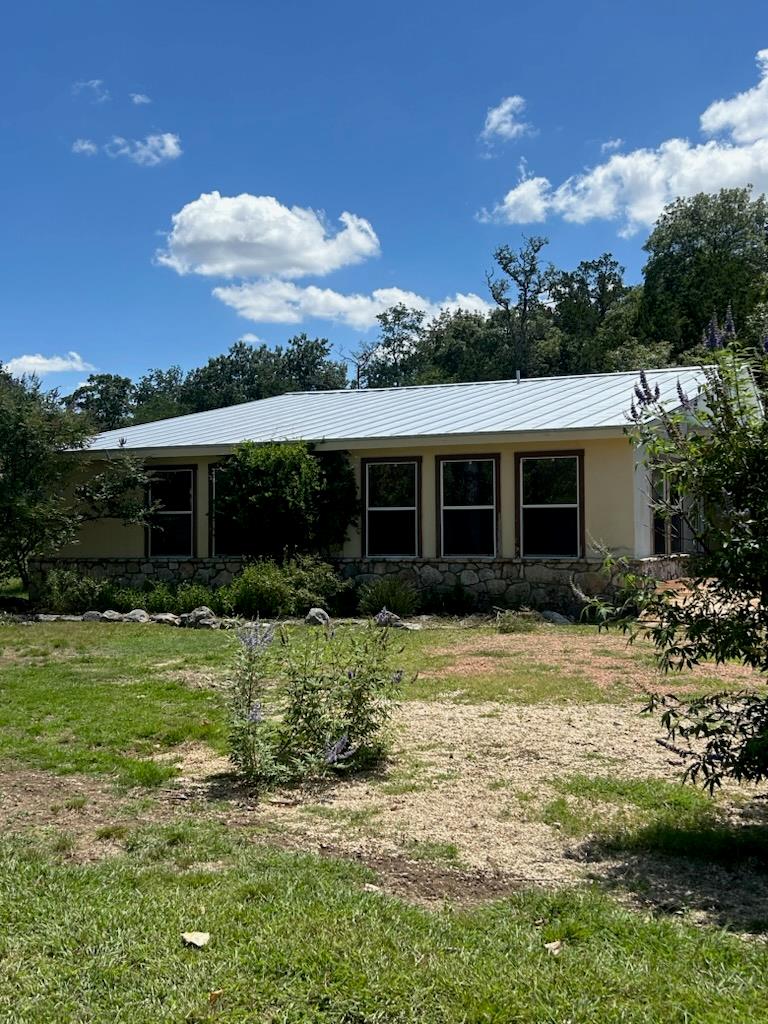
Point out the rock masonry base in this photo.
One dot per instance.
(502, 582)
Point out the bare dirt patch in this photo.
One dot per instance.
(604, 659)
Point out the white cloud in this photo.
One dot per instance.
(41, 365)
(503, 120)
(276, 301)
(93, 87)
(140, 98)
(252, 339)
(634, 187)
(247, 235)
(610, 145)
(149, 152)
(85, 146)
(745, 116)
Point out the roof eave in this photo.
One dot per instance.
(358, 443)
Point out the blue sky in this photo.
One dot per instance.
(439, 130)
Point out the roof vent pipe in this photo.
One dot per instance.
(517, 376)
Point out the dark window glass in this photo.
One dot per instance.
(228, 536)
(172, 535)
(173, 488)
(391, 533)
(391, 484)
(550, 481)
(550, 532)
(470, 531)
(468, 482)
(659, 535)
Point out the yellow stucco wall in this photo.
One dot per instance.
(608, 498)
(608, 491)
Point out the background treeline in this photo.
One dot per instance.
(707, 253)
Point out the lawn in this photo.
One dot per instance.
(525, 804)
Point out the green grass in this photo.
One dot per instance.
(653, 816)
(297, 940)
(101, 699)
(432, 849)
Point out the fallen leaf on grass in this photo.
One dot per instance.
(196, 939)
(553, 947)
(215, 996)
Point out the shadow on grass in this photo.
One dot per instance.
(717, 872)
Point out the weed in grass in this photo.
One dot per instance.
(112, 832)
(429, 849)
(75, 803)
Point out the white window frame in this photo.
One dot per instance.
(414, 464)
(524, 506)
(175, 512)
(468, 508)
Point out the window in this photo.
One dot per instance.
(391, 496)
(227, 537)
(172, 531)
(672, 534)
(468, 506)
(550, 506)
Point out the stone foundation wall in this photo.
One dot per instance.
(504, 582)
(135, 572)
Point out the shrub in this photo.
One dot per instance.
(158, 597)
(68, 592)
(192, 595)
(523, 620)
(389, 592)
(338, 695)
(268, 589)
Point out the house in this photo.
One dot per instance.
(510, 488)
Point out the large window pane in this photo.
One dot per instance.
(392, 485)
(173, 488)
(468, 482)
(392, 532)
(172, 535)
(469, 532)
(550, 532)
(550, 481)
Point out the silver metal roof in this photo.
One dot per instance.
(591, 402)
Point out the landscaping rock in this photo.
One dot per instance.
(166, 619)
(387, 618)
(202, 612)
(556, 618)
(47, 618)
(317, 617)
(111, 616)
(137, 615)
(91, 616)
(207, 622)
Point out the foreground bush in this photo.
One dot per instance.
(338, 692)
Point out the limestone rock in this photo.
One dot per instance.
(111, 616)
(91, 617)
(137, 615)
(317, 617)
(166, 619)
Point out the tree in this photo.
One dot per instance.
(307, 365)
(705, 252)
(581, 300)
(106, 399)
(713, 451)
(159, 394)
(391, 360)
(285, 500)
(518, 293)
(42, 504)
